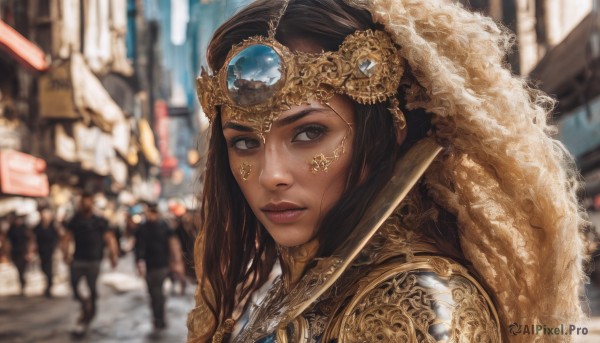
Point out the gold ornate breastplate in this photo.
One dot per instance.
(430, 299)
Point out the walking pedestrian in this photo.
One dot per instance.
(186, 233)
(90, 233)
(20, 241)
(157, 252)
(47, 236)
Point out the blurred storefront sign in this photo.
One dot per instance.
(147, 143)
(64, 145)
(121, 136)
(579, 130)
(93, 149)
(17, 204)
(21, 48)
(104, 29)
(10, 136)
(71, 91)
(120, 91)
(56, 94)
(22, 174)
(161, 113)
(563, 63)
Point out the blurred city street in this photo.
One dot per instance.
(123, 313)
(593, 335)
(98, 101)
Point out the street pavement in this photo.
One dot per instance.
(123, 313)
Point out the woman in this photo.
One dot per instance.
(404, 180)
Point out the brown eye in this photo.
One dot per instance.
(245, 144)
(309, 133)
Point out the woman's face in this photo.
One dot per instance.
(293, 177)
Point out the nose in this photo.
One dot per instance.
(275, 172)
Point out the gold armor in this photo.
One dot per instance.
(425, 299)
(384, 284)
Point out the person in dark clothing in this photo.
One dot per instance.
(90, 233)
(186, 233)
(19, 241)
(47, 237)
(157, 251)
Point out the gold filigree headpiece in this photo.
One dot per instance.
(261, 77)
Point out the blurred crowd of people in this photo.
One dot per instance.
(161, 241)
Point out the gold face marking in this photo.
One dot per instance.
(245, 169)
(321, 163)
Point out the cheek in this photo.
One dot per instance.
(235, 170)
(240, 168)
(329, 186)
(244, 168)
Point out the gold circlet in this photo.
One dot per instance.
(367, 67)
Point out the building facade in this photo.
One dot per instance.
(558, 50)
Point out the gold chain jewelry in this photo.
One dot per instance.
(245, 170)
(397, 114)
(273, 24)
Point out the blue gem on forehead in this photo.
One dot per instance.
(254, 75)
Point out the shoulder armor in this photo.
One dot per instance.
(431, 299)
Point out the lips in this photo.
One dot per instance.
(283, 212)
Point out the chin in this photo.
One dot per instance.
(289, 238)
(289, 243)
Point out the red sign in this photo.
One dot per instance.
(22, 174)
(161, 122)
(21, 48)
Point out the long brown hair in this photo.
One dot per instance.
(236, 253)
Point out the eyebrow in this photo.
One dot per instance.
(279, 123)
(238, 127)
